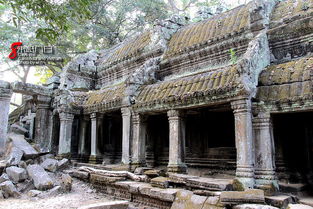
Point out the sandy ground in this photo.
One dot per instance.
(81, 194)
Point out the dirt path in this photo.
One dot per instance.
(81, 194)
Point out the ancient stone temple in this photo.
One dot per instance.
(230, 94)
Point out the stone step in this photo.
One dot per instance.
(107, 205)
(280, 201)
(212, 184)
(306, 201)
(295, 189)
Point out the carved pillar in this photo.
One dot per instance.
(43, 124)
(177, 142)
(139, 140)
(126, 115)
(96, 123)
(66, 123)
(244, 142)
(82, 136)
(5, 97)
(264, 152)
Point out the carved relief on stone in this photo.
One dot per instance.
(146, 74)
(163, 31)
(80, 72)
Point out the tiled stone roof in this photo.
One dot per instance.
(219, 83)
(216, 28)
(285, 10)
(127, 49)
(108, 98)
(287, 82)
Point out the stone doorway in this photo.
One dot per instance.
(210, 141)
(110, 142)
(293, 135)
(55, 134)
(157, 140)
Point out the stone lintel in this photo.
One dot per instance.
(30, 89)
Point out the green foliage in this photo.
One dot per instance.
(233, 56)
(77, 26)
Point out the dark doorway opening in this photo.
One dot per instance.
(293, 135)
(55, 134)
(210, 140)
(110, 141)
(157, 140)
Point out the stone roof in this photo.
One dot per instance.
(107, 98)
(289, 10)
(126, 49)
(223, 82)
(209, 31)
(287, 82)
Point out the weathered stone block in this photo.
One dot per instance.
(42, 180)
(15, 156)
(18, 129)
(50, 164)
(210, 184)
(8, 189)
(153, 173)
(66, 182)
(161, 182)
(16, 174)
(253, 206)
(64, 163)
(299, 206)
(248, 196)
(107, 205)
(54, 191)
(22, 164)
(80, 174)
(141, 170)
(100, 179)
(280, 201)
(134, 188)
(34, 193)
(164, 194)
(4, 177)
(20, 143)
(186, 199)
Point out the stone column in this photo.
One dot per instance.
(244, 142)
(177, 142)
(66, 123)
(139, 140)
(43, 123)
(5, 97)
(96, 121)
(82, 136)
(126, 115)
(264, 152)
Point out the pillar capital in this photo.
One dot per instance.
(65, 116)
(262, 120)
(242, 105)
(5, 90)
(96, 115)
(174, 114)
(138, 118)
(126, 111)
(43, 102)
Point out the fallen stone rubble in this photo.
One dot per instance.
(24, 170)
(175, 191)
